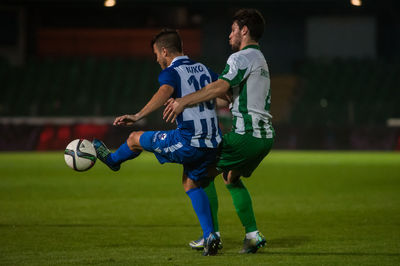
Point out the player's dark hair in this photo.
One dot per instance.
(254, 21)
(169, 39)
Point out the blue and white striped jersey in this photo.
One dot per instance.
(199, 122)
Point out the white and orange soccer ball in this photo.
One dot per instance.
(80, 155)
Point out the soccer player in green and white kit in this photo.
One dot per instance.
(246, 82)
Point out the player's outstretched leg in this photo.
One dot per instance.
(103, 153)
(114, 160)
(252, 244)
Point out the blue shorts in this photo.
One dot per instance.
(171, 147)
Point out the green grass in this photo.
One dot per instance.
(315, 208)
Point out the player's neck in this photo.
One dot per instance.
(247, 42)
(171, 57)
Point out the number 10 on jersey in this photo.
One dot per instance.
(204, 80)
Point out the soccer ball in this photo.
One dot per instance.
(80, 155)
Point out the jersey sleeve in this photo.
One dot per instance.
(168, 77)
(235, 70)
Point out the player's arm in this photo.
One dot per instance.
(224, 100)
(211, 91)
(158, 100)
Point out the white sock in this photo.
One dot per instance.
(251, 234)
(218, 234)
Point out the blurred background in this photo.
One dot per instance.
(67, 68)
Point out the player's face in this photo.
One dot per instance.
(235, 38)
(160, 57)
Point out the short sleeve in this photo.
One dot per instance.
(168, 77)
(235, 70)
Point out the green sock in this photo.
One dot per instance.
(242, 202)
(213, 198)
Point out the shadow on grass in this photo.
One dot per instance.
(99, 225)
(295, 241)
(361, 254)
(288, 242)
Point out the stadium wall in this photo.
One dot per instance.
(56, 133)
(107, 42)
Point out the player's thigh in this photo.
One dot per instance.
(158, 142)
(259, 149)
(243, 153)
(197, 166)
(232, 152)
(167, 146)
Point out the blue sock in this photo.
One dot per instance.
(201, 206)
(122, 154)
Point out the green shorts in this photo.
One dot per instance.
(242, 153)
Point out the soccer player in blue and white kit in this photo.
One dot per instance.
(193, 144)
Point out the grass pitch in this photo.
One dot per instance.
(315, 208)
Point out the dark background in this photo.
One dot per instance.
(335, 67)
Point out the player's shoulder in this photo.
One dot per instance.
(191, 65)
(182, 61)
(239, 58)
(181, 64)
(168, 76)
(247, 56)
(170, 70)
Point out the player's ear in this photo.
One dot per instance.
(164, 51)
(244, 30)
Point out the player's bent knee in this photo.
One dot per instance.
(133, 140)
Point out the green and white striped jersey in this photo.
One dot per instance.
(247, 73)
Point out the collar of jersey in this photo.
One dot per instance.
(178, 58)
(252, 46)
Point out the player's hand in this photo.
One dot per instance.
(126, 120)
(172, 110)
